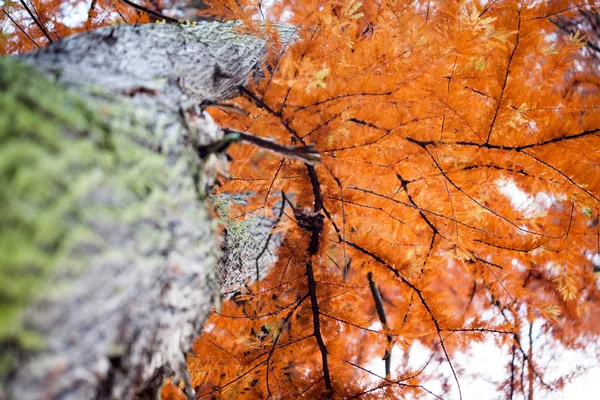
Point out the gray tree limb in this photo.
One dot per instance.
(136, 276)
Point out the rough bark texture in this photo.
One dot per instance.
(248, 247)
(127, 267)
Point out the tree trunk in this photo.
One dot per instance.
(109, 265)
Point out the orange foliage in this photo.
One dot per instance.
(456, 169)
(460, 171)
(29, 24)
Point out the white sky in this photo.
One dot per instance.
(489, 361)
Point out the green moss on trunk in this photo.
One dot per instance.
(64, 166)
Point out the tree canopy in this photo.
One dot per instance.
(457, 199)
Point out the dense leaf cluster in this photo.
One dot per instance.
(458, 196)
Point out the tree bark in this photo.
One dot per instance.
(127, 269)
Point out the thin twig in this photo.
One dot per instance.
(21, 29)
(266, 245)
(38, 23)
(90, 17)
(161, 16)
(156, 14)
(381, 313)
(306, 154)
(567, 30)
(312, 288)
